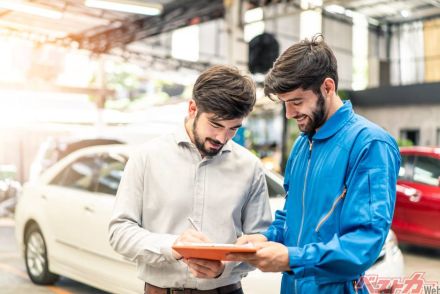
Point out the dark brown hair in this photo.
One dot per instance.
(303, 65)
(224, 91)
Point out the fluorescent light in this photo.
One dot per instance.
(185, 43)
(405, 13)
(31, 9)
(126, 6)
(334, 8)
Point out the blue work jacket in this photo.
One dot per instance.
(341, 187)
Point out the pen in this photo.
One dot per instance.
(191, 221)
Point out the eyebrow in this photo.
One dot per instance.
(220, 125)
(293, 99)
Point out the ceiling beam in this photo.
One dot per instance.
(177, 14)
(49, 87)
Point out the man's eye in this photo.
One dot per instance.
(295, 102)
(215, 126)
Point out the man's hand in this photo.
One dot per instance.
(206, 269)
(189, 236)
(270, 257)
(255, 238)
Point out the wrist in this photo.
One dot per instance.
(222, 269)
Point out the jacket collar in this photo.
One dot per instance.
(182, 137)
(335, 122)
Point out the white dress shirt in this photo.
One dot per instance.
(164, 183)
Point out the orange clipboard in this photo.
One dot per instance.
(212, 251)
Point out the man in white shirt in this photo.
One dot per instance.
(196, 172)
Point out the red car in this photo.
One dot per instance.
(417, 215)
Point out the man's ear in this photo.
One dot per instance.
(329, 86)
(192, 109)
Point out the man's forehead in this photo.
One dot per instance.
(297, 93)
(214, 118)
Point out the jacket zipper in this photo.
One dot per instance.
(325, 218)
(355, 286)
(303, 194)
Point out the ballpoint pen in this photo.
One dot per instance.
(193, 224)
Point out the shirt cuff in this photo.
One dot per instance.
(166, 250)
(268, 234)
(229, 266)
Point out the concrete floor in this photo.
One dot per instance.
(13, 276)
(423, 260)
(14, 280)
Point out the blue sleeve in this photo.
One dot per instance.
(275, 232)
(364, 221)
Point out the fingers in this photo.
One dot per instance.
(205, 268)
(242, 240)
(254, 238)
(246, 257)
(192, 236)
(270, 257)
(189, 236)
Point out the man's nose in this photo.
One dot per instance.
(290, 111)
(222, 136)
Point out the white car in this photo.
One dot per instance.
(62, 219)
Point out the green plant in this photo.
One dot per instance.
(404, 142)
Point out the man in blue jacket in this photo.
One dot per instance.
(340, 181)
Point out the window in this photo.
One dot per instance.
(110, 173)
(427, 171)
(412, 135)
(438, 137)
(406, 167)
(274, 188)
(78, 175)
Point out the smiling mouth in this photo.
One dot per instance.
(215, 145)
(301, 118)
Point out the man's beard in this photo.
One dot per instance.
(200, 144)
(317, 118)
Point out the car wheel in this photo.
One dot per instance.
(35, 254)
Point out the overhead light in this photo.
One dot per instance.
(334, 8)
(405, 13)
(31, 9)
(137, 7)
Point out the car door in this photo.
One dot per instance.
(65, 198)
(403, 195)
(276, 191)
(421, 211)
(103, 262)
(423, 215)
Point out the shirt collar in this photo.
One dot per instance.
(181, 136)
(335, 122)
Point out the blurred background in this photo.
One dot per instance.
(78, 73)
